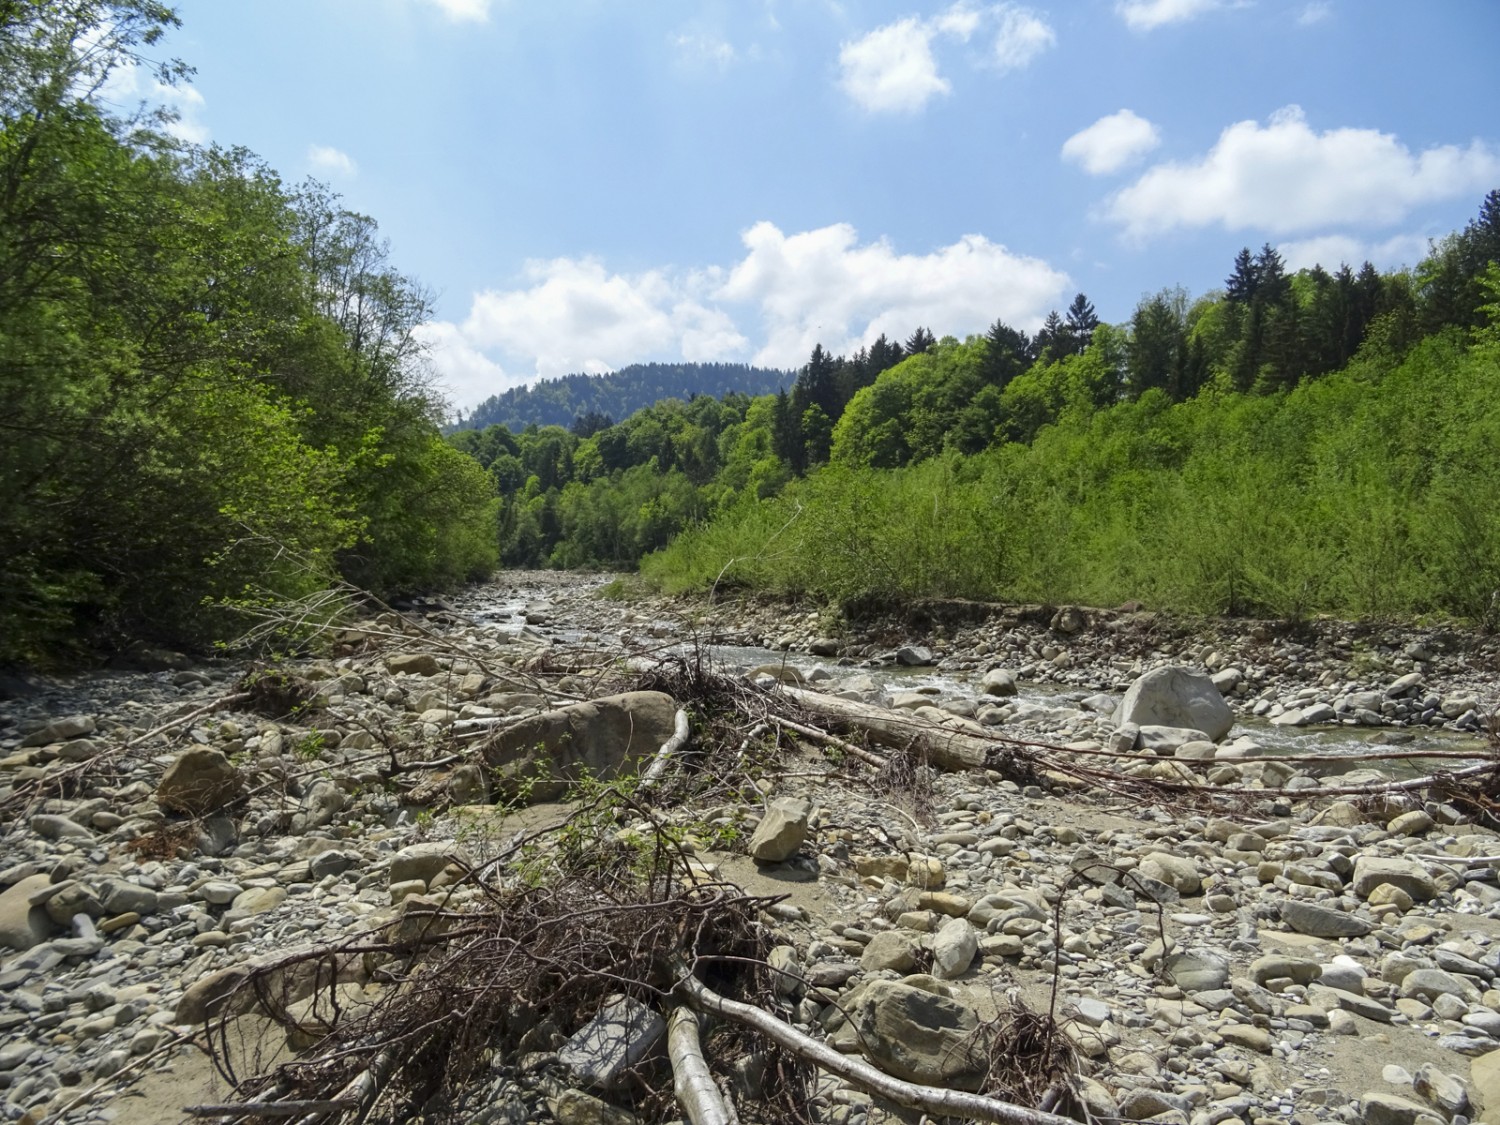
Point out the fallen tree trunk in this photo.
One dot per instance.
(691, 1080)
(928, 1099)
(950, 750)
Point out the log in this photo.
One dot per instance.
(691, 1080)
(680, 733)
(929, 1099)
(858, 753)
(272, 1109)
(950, 750)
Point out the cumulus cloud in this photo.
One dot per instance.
(1023, 35)
(819, 286)
(704, 50)
(893, 69)
(462, 372)
(1333, 250)
(464, 11)
(1286, 178)
(575, 315)
(331, 161)
(1111, 143)
(824, 286)
(1145, 15)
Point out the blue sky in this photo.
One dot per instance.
(589, 183)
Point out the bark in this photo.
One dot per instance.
(929, 1099)
(691, 1080)
(951, 750)
(680, 734)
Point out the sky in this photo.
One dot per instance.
(584, 184)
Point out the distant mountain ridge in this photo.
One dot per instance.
(619, 394)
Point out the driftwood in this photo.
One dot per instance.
(929, 1099)
(950, 750)
(681, 732)
(844, 746)
(270, 1109)
(691, 1080)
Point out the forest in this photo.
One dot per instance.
(1294, 443)
(210, 392)
(618, 394)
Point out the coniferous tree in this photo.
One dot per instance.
(1241, 285)
(1007, 353)
(884, 354)
(920, 341)
(1081, 322)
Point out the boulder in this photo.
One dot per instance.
(1370, 871)
(914, 656)
(23, 925)
(413, 664)
(1322, 921)
(953, 949)
(912, 1030)
(998, 681)
(1176, 697)
(1176, 871)
(200, 781)
(891, 949)
(605, 1049)
(542, 756)
(782, 830)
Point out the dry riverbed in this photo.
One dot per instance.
(1226, 930)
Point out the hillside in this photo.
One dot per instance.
(619, 394)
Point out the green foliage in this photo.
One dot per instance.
(1367, 492)
(210, 384)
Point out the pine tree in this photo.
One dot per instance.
(884, 354)
(921, 340)
(1241, 285)
(1081, 322)
(1006, 354)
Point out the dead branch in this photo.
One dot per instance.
(680, 734)
(928, 1099)
(691, 1080)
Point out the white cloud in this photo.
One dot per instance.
(1145, 15)
(1022, 37)
(464, 11)
(818, 286)
(1285, 178)
(704, 50)
(1111, 143)
(1333, 250)
(131, 86)
(960, 21)
(1315, 12)
(892, 70)
(331, 161)
(576, 316)
(823, 286)
(463, 373)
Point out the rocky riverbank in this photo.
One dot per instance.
(1287, 954)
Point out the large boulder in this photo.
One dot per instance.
(1175, 697)
(911, 1030)
(199, 782)
(542, 756)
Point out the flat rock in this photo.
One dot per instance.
(1322, 921)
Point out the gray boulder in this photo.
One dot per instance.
(1176, 697)
(545, 754)
(912, 1030)
(782, 830)
(606, 1048)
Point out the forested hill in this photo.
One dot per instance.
(557, 402)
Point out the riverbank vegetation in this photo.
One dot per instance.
(209, 383)
(1298, 442)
